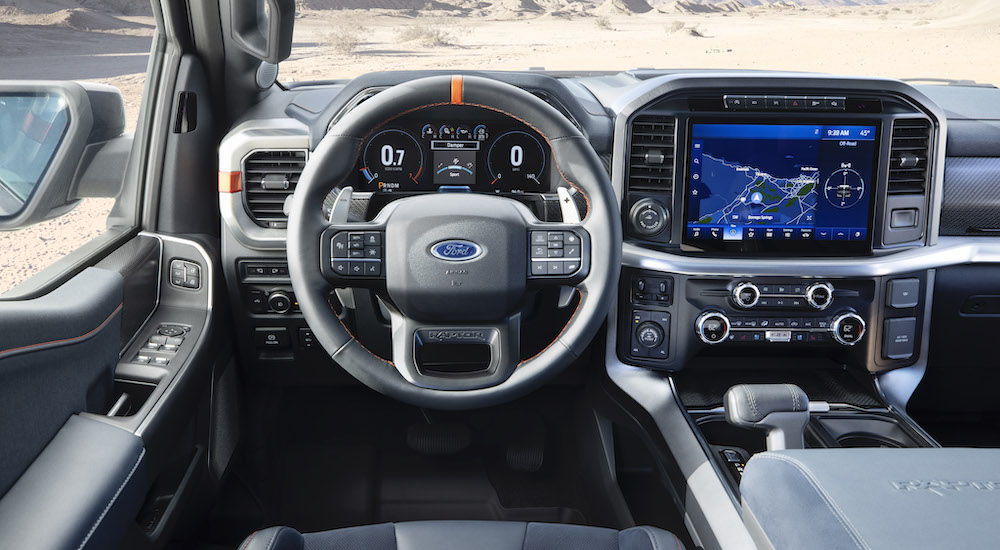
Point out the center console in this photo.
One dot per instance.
(756, 214)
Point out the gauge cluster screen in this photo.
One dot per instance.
(780, 187)
(432, 150)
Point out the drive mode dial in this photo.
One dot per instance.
(712, 327)
(746, 295)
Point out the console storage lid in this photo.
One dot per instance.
(873, 498)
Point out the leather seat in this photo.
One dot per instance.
(465, 535)
(873, 499)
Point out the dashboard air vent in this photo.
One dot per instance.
(908, 159)
(270, 177)
(651, 153)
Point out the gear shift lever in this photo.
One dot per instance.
(781, 410)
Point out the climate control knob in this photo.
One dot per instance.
(848, 328)
(712, 327)
(279, 302)
(746, 295)
(819, 295)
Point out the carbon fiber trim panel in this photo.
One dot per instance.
(971, 204)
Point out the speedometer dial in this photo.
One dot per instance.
(516, 160)
(392, 160)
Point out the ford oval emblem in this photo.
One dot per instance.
(456, 251)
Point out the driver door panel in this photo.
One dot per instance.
(57, 357)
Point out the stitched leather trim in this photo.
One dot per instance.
(247, 542)
(831, 505)
(113, 499)
(66, 340)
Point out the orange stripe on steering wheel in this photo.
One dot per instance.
(456, 90)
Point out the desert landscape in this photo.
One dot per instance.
(108, 41)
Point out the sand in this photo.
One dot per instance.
(108, 41)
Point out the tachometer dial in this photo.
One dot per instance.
(516, 160)
(392, 160)
(844, 188)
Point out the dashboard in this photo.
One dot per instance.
(454, 148)
(795, 215)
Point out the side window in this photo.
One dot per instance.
(105, 43)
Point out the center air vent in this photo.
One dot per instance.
(909, 156)
(651, 154)
(270, 178)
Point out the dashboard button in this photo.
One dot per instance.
(570, 267)
(271, 337)
(755, 102)
(539, 237)
(555, 268)
(900, 338)
(373, 238)
(341, 267)
(835, 104)
(539, 251)
(572, 238)
(735, 102)
(904, 293)
(572, 251)
(774, 103)
(373, 269)
(555, 252)
(556, 236)
(356, 269)
(816, 104)
(539, 268)
(796, 103)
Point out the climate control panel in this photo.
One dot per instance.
(675, 321)
(846, 328)
(782, 295)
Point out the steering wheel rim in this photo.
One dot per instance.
(334, 159)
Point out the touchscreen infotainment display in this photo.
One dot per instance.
(780, 187)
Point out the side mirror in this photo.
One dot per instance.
(59, 142)
(263, 28)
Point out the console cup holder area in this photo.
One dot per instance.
(733, 446)
(824, 431)
(130, 396)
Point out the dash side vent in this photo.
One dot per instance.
(269, 178)
(909, 156)
(651, 153)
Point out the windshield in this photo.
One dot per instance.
(947, 39)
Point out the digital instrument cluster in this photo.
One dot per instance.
(436, 150)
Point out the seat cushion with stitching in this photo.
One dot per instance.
(873, 499)
(465, 535)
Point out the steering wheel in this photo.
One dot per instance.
(456, 266)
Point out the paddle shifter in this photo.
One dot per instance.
(781, 410)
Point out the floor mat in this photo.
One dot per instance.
(329, 458)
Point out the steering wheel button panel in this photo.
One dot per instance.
(357, 254)
(555, 253)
